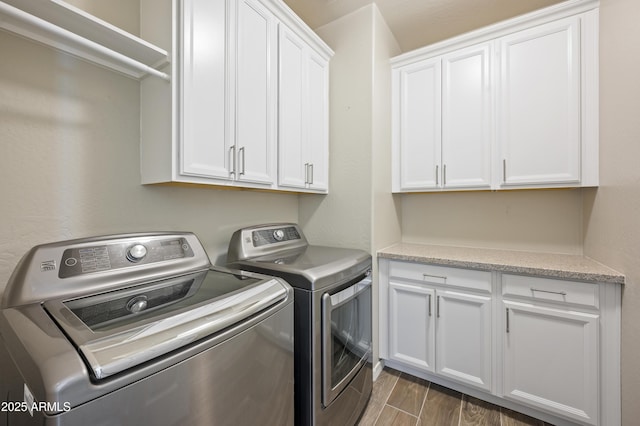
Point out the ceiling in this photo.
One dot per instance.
(417, 23)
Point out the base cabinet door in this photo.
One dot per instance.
(463, 338)
(412, 325)
(551, 360)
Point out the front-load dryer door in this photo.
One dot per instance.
(346, 333)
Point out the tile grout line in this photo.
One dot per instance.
(424, 401)
(385, 400)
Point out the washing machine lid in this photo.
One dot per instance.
(121, 329)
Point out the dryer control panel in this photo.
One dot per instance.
(264, 240)
(262, 237)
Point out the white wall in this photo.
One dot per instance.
(612, 212)
(69, 161)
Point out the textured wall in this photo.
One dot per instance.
(612, 212)
(343, 217)
(533, 220)
(69, 162)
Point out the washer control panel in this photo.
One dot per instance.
(84, 260)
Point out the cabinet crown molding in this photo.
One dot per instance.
(511, 25)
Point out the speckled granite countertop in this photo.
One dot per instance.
(552, 265)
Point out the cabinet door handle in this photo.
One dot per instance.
(437, 306)
(306, 173)
(504, 170)
(507, 320)
(561, 293)
(429, 305)
(310, 173)
(443, 278)
(437, 180)
(444, 175)
(241, 150)
(232, 159)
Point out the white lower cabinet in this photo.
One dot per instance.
(551, 360)
(463, 338)
(546, 347)
(441, 330)
(412, 325)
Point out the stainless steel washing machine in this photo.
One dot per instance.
(332, 286)
(140, 329)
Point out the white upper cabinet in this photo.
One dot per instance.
(201, 109)
(513, 105)
(418, 118)
(255, 108)
(303, 115)
(539, 104)
(217, 121)
(466, 118)
(443, 128)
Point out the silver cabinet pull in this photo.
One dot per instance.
(507, 320)
(306, 173)
(561, 293)
(311, 174)
(241, 150)
(437, 180)
(232, 160)
(437, 306)
(429, 305)
(427, 276)
(504, 170)
(444, 175)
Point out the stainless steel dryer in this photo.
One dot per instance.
(332, 287)
(140, 329)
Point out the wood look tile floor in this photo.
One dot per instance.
(399, 399)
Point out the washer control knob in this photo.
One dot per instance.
(136, 253)
(278, 234)
(137, 304)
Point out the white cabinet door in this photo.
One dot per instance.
(466, 118)
(551, 360)
(318, 122)
(255, 82)
(303, 159)
(204, 148)
(419, 127)
(411, 325)
(539, 104)
(463, 338)
(292, 130)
